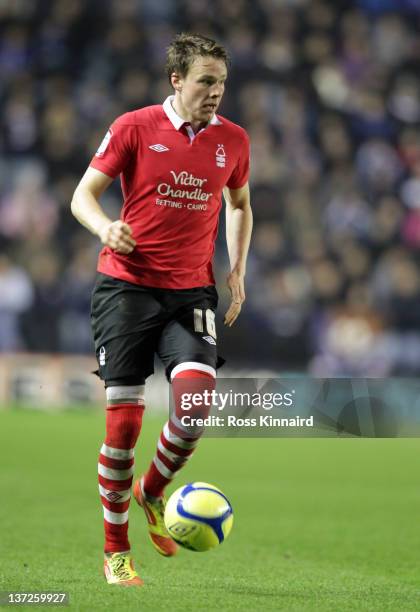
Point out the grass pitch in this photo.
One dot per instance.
(320, 524)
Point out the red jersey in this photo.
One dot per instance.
(172, 183)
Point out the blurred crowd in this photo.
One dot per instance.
(329, 91)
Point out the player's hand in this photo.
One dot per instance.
(118, 236)
(235, 282)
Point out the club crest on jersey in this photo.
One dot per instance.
(220, 156)
(160, 148)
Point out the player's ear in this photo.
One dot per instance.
(176, 81)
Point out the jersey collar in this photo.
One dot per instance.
(178, 121)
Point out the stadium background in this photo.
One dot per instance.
(330, 95)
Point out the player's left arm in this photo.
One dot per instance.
(238, 237)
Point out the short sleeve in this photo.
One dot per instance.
(240, 173)
(116, 149)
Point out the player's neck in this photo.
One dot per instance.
(182, 112)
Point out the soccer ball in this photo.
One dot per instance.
(198, 516)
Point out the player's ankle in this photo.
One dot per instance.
(117, 552)
(153, 497)
(150, 493)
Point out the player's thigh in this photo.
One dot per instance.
(126, 324)
(191, 334)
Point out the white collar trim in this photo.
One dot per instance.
(178, 121)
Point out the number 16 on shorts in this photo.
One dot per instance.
(207, 318)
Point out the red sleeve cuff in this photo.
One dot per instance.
(99, 165)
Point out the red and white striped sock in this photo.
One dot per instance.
(177, 443)
(125, 406)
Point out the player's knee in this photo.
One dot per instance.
(126, 395)
(193, 370)
(192, 385)
(125, 406)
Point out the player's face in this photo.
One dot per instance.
(199, 93)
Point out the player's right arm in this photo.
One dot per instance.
(86, 208)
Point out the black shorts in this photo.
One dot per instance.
(131, 324)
